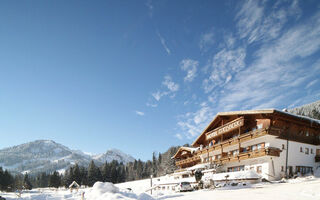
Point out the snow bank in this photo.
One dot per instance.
(241, 175)
(107, 191)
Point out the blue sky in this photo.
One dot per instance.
(142, 76)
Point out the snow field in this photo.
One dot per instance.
(306, 188)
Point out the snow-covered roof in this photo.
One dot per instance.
(190, 149)
(252, 112)
(182, 172)
(198, 166)
(241, 175)
(74, 183)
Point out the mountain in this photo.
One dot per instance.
(309, 110)
(48, 156)
(114, 154)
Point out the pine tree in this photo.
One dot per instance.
(94, 174)
(106, 172)
(76, 174)
(7, 181)
(84, 176)
(154, 164)
(54, 180)
(26, 182)
(68, 177)
(1, 179)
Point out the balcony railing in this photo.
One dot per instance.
(233, 141)
(270, 151)
(189, 160)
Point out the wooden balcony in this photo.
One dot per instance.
(193, 159)
(270, 151)
(231, 142)
(250, 154)
(234, 141)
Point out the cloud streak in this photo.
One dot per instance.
(170, 89)
(190, 66)
(163, 43)
(139, 113)
(281, 62)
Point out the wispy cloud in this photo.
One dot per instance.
(255, 25)
(278, 68)
(179, 136)
(190, 66)
(311, 84)
(172, 86)
(157, 95)
(223, 65)
(163, 42)
(206, 40)
(192, 123)
(170, 89)
(150, 7)
(281, 64)
(139, 113)
(153, 105)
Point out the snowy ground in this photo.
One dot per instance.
(296, 189)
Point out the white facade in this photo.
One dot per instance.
(273, 167)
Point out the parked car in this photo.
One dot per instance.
(184, 187)
(2, 198)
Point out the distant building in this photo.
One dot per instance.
(273, 143)
(74, 185)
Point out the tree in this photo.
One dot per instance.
(26, 182)
(84, 176)
(106, 172)
(54, 180)
(76, 174)
(68, 177)
(43, 180)
(154, 164)
(94, 174)
(198, 175)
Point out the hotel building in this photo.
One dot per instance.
(274, 143)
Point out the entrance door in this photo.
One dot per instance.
(290, 171)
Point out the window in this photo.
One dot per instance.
(258, 146)
(307, 151)
(254, 147)
(236, 168)
(282, 168)
(307, 133)
(259, 169)
(282, 146)
(301, 150)
(311, 151)
(304, 170)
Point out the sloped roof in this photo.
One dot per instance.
(252, 112)
(189, 149)
(74, 183)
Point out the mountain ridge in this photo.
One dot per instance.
(48, 156)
